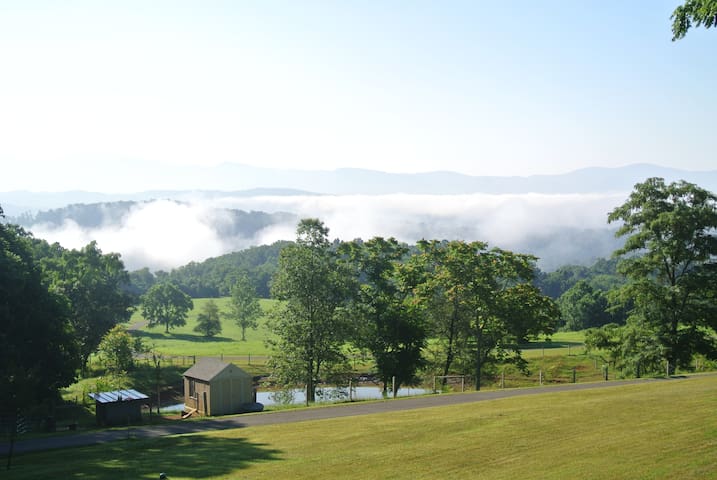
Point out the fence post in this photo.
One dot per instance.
(574, 369)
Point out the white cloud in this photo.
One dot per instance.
(164, 234)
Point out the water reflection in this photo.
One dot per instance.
(330, 394)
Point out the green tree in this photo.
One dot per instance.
(95, 285)
(165, 304)
(117, 349)
(244, 307)
(449, 319)
(583, 307)
(38, 350)
(670, 258)
(208, 321)
(388, 322)
(693, 13)
(309, 326)
(493, 290)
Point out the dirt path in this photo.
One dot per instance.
(301, 415)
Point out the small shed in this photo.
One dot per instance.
(119, 407)
(213, 387)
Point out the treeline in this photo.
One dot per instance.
(581, 291)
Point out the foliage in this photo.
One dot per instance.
(583, 307)
(38, 349)
(244, 308)
(490, 300)
(388, 322)
(215, 277)
(309, 326)
(95, 287)
(602, 275)
(208, 322)
(693, 13)
(117, 349)
(670, 256)
(165, 304)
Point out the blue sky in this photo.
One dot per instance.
(91, 91)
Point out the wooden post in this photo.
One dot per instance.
(541, 376)
(434, 384)
(502, 379)
(574, 372)
(393, 386)
(463, 384)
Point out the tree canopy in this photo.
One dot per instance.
(244, 307)
(670, 258)
(38, 350)
(165, 304)
(95, 286)
(310, 330)
(693, 13)
(386, 320)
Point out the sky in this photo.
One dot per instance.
(93, 93)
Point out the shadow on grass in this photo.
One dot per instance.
(179, 336)
(192, 456)
(548, 345)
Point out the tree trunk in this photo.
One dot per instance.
(449, 353)
(243, 330)
(479, 352)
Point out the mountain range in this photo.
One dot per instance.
(562, 219)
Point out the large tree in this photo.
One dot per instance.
(95, 285)
(670, 256)
(165, 304)
(244, 307)
(693, 13)
(491, 294)
(38, 350)
(310, 330)
(387, 321)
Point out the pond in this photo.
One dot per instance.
(330, 394)
(323, 395)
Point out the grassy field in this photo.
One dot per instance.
(662, 429)
(184, 341)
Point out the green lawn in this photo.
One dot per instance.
(657, 430)
(184, 341)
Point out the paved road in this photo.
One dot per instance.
(299, 415)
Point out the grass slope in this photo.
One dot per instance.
(662, 429)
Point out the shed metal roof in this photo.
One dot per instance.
(117, 396)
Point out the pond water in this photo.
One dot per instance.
(323, 395)
(329, 394)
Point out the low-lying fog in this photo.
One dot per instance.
(164, 234)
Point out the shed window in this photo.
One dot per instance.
(192, 388)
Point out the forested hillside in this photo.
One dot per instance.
(215, 277)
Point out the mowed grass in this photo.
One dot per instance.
(184, 341)
(654, 430)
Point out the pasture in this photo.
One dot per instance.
(184, 341)
(659, 430)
